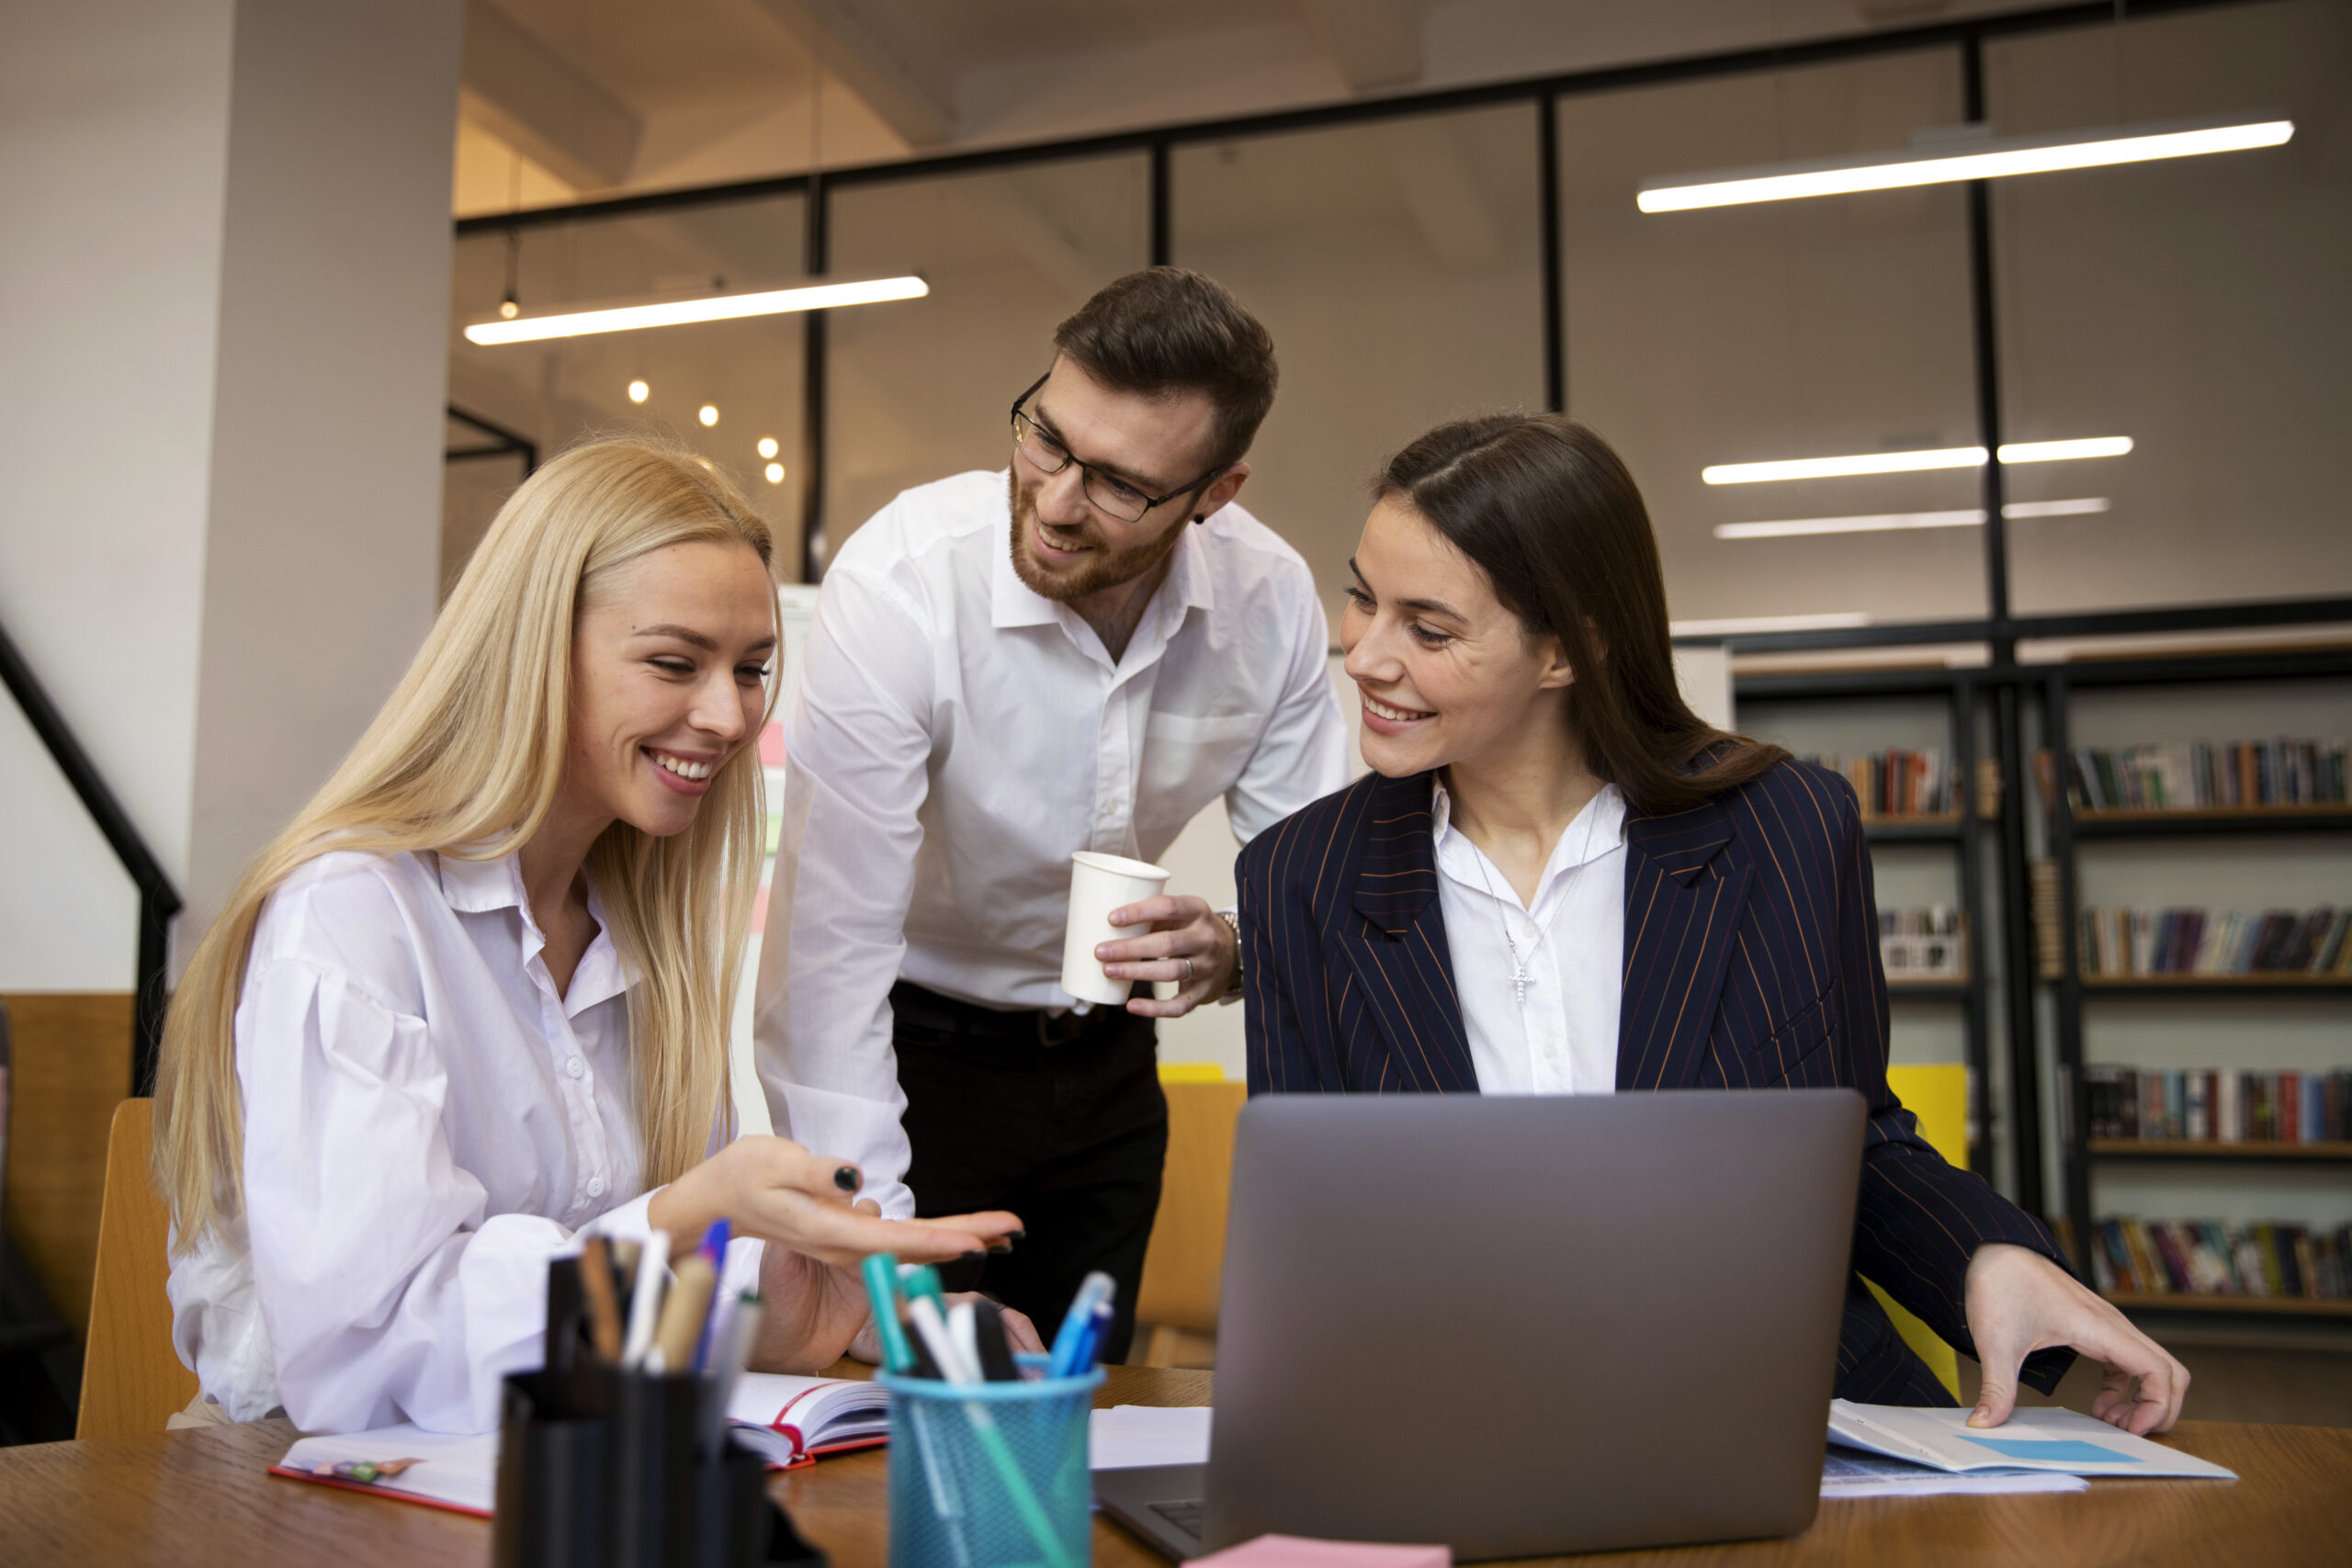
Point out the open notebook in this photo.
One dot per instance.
(787, 1421)
(2065, 1442)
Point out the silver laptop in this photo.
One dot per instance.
(1522, 1325)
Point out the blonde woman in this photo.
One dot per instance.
(474, 1002)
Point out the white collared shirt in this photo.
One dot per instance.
(426, 1125)
(1557, 1034)
(957, 736)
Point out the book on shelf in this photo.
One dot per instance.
(2189, 775)
(1897, 784)
(2049, 926)
(2215, 1258)
(2113, 941)
(1921, 946)
(2218, 1105)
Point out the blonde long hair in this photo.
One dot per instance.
(465, 760)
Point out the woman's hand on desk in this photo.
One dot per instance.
(773, 1189)
(2019, 1302)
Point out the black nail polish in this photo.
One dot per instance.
(973, 1257)
(999, 1246)
(1016, 1235)
(847, 1179)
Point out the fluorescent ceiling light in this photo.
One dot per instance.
(1838, 467)
(2062, 451)
(1911, 462)
(712, 307)
(1885, 522)
(1739, 625)
(1969, 158)
(2054, 508)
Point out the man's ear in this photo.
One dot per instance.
(1220, 494)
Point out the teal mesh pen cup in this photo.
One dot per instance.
(991, 1475)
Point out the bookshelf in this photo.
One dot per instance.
(1957, 699)
(2235, 1001)
(2250, 1306)
(2182, 1149)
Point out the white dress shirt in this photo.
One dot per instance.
(957, 736)
(1557, 1032)
(426, 1126)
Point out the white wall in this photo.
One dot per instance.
(222, 298)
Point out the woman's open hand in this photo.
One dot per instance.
(773, 1189)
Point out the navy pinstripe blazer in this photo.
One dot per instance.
(1751, 962)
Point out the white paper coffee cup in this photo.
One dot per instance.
(1098, 884)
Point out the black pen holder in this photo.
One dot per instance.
(601, 1467)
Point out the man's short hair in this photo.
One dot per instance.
(1165, 331)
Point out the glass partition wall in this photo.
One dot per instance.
(722, 390)
(1398, 253)
(2199, 306)
(1779, 330)
(1397, 267)
(920, 389)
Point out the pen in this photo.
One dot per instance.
(713, 1248)
(604, 1304)
(964, 1327)
(731, 1346)
(1068, 1345)
(881, 1272)
(682, 1315)
(940, 1340)
(653, 1262)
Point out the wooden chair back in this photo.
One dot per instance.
(132, 1378)
(1185, 1266)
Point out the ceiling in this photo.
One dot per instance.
(565, 99)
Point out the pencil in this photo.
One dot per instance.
(682, 1313)
(604, 1302)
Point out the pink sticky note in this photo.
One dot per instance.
(1298, 1551)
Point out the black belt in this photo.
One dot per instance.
(927, 1009)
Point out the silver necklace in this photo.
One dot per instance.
(1517, 967)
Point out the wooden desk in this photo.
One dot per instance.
(202, 1499)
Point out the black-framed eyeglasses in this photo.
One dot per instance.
(1110, 493)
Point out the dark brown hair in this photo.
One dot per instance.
(1165, 330)
(1548, 512)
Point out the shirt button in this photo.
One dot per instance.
(595, 1187)
(576, 1067)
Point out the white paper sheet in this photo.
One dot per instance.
(1126, 1436)
(1850, 1472)
(460, 1471)
(2036, 1438)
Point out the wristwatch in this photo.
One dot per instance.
(1233, 923)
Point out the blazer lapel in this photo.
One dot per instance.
(1686, 883)
(1397, 943)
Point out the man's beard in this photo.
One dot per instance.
(1103, 567)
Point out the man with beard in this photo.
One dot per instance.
(1079, 654)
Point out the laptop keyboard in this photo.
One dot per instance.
(1185, 1517)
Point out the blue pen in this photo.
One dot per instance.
(1100, 1334)
(713, 1248)
(1070, 1347)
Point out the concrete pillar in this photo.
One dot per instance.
(224, 347)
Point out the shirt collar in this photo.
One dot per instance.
(478, 887)
(484, 887)
(1596, 830)
(1012, 603)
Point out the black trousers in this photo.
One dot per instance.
(1060, 1120)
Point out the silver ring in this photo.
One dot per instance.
(1188, 970)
